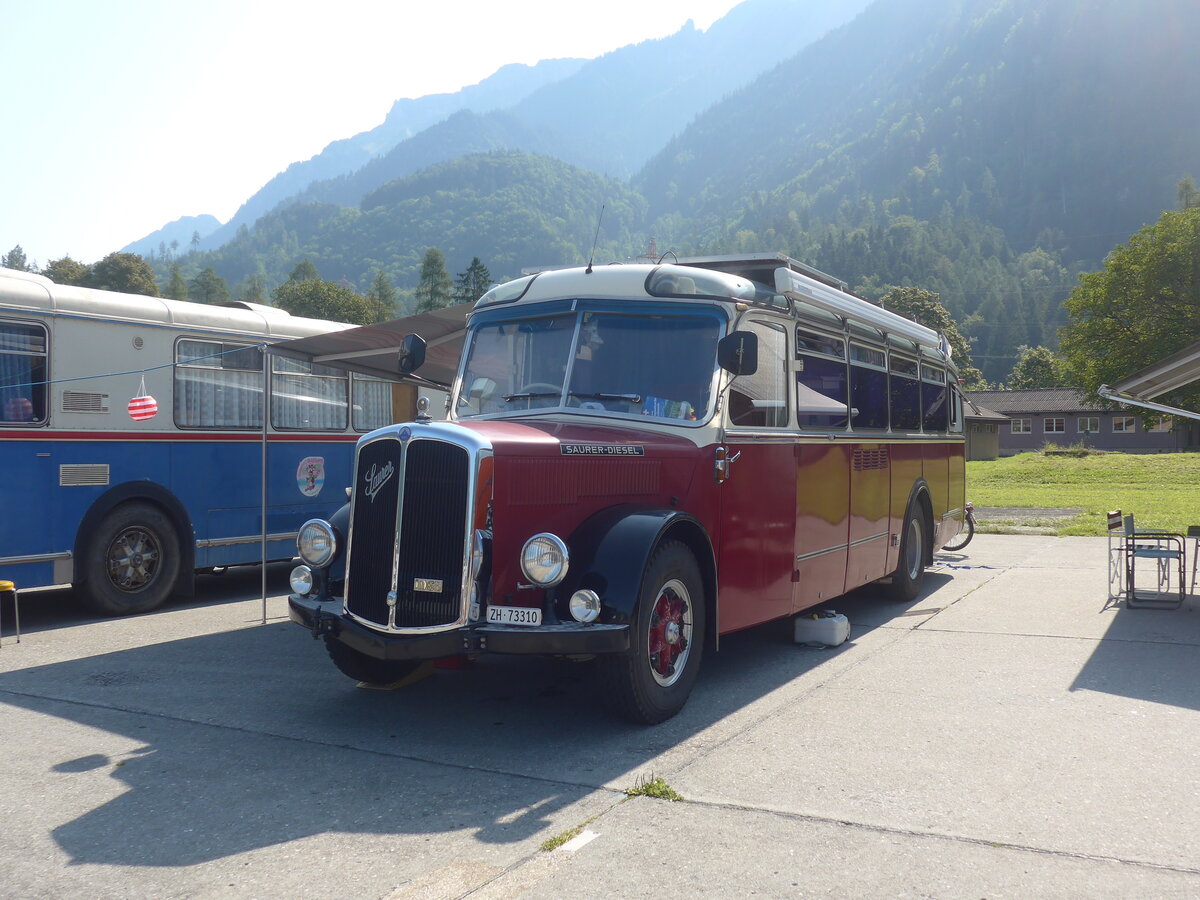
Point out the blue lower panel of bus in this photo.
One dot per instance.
(53, 484)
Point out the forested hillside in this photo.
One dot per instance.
(989, 150)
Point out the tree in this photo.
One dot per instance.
(1141, 307)
(305, 271)
(125, 272)
(255, 290)
(925, 308)
(435, 290)
(383, 293)
(1037, 367)
(473, 283)
(208, 287)
(177, 286)
(65, 271)
(319, 299)
(1189, 194)
(15, 259)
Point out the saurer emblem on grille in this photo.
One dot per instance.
(376, 477)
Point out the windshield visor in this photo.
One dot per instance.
(608, 364)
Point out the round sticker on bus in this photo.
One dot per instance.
(310, 475)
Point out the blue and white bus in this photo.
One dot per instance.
(127, 510)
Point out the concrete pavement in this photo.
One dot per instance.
(1008, 734)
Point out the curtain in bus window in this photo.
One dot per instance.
(22, 373)
(305, 397)
(372, 402)
(868, 387)
(905, 392)
(217, 385)
(760, 400)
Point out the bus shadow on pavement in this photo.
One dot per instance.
(230, 742)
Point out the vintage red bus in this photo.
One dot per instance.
(638, 459)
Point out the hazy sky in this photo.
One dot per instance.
(125, 115)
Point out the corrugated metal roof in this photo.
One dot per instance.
(1041, 400)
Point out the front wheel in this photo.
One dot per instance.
(910, 573)
(132, 561)
(365, 668)
(651, 682)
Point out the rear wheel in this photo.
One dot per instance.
(361, 667)
(910, 573)
(652, 681)
(132, 561)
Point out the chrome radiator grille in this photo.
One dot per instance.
(428, 482)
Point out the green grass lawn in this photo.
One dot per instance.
(1161, 490)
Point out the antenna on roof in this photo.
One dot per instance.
(588, 270)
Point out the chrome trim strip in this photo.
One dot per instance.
(868, 540)
(805, 556)
(34, 558)
(251, 539)
(952, 514)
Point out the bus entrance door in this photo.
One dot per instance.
(757, 533)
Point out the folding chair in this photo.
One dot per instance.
(1167, 552)
(1116, 555)
(1193, 534)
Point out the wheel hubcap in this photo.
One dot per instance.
(133, 558)
(670, 632)
(913, 549)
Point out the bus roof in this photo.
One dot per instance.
(32, 293)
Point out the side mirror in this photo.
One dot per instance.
(737, 353)
(412, 353)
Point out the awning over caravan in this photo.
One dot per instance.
(372, 349)
(1139, 389)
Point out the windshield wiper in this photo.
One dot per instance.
(632, 398)
(529, 395)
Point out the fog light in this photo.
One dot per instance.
(302, 580)
(585, 606)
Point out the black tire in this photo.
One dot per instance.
(963, 538)
(365, 668)
(132, 561)
(910, 571)
(651, 682)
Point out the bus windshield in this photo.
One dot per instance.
(601, 363)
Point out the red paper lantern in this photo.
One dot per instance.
(142, 408)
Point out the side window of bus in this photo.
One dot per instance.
(905, 391)
(935, 415)
(218, 385)
(821, 386)
(372, 402)
(22, 374)
(760, 400)
(307, 397)
(868, 387)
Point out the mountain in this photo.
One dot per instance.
(510, 209)
(405, 119)
(609, 114)
(175, 237)
(1031, 115)
(988, 150)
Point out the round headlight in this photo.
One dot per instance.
(585, 606)
(544, 560)
(302, 580)
(316, 542)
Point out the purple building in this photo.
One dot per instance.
(1059, 416)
